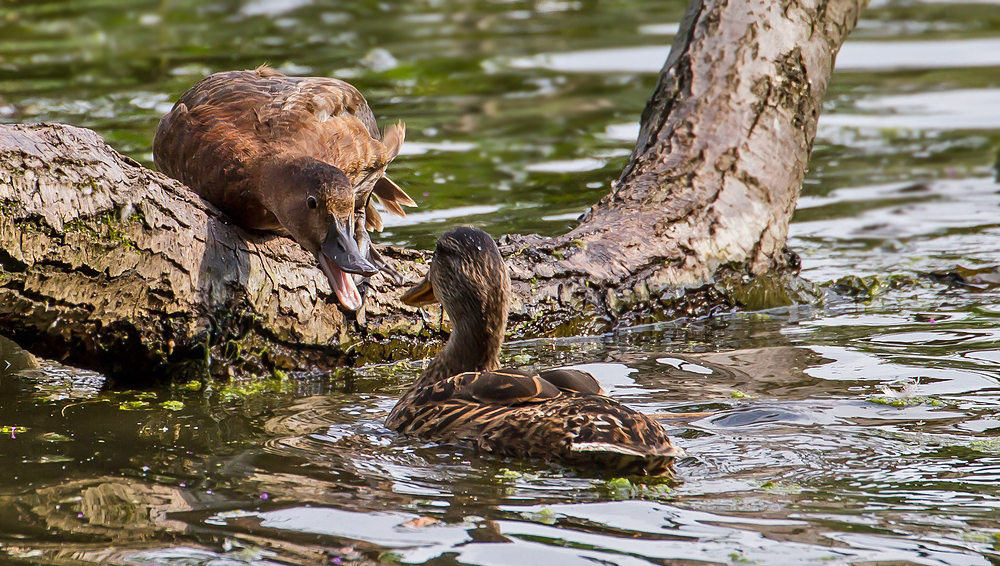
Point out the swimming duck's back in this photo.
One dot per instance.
(516, 414)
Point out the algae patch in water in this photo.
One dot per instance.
(172, 405)
(508, 474)
(12, 430)
(989, 445)
(905, 401)
(624, 488)
(781, 488)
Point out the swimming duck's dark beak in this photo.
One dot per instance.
(339, 256)
(343, 251)
(421, 295)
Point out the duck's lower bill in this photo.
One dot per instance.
(342, 284)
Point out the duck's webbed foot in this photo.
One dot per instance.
(384, 267)
(367, 248)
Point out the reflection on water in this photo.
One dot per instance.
(854, 56)
(860, 430)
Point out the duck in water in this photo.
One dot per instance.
(463, 397)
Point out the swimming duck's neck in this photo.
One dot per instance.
(471, 347)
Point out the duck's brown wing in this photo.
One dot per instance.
(330, 119)
(584, 430)
(512, 386)
(391, 196)
(439, 409)
(522, 415)
(209, 137)
(572, 380)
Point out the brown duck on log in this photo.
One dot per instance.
(559, 415)
(298, 156)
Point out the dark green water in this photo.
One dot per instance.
(519, 114)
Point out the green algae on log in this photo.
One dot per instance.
(117, 268)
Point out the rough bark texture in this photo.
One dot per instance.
(118, 268)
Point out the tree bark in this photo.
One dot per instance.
(117, 268)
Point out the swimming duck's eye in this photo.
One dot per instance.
(311, 201)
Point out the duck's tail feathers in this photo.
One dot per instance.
(393, 137)
(626, 460)
(391, 196)
(373, 220)
(670, 451)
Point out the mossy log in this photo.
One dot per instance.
(111, 266)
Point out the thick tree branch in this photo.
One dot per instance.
(118, 268)
(715, 174)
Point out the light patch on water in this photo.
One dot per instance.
(684, 365)
(294, 70)
(272, 7)
(872, 193)
(622, 132)
(391, 221)
(420, 148)
(972, 109)
(947, 205)
(659, 29)
(853, 56)
(903, 55)
(381, 528)
(616, 60)
(615, 379)
(853, 365)
(567, 165)
(563, 217)
(695, 535)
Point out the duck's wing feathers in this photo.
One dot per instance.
(210, 134)
(523, 415)
(500, 387)
(331, 118)
(572, 380)
(452, 407)
(391, 196)
(586, 430)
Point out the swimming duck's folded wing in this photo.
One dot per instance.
(572, 380)
(500, 387)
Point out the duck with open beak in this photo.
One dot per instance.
(316, 207)
(299, 156)
(339, 257)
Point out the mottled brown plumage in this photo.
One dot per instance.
(292, 155)
(559, 415)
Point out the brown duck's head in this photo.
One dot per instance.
(316, 206)
(469, 278)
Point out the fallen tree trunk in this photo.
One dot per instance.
(115, 267)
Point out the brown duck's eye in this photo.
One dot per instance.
(311, 201)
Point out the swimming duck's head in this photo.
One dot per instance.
(469, 278)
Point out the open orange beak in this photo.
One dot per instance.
(422, 294)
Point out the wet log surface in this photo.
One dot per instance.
(111, 266)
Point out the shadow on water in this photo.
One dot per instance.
(860, 430)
